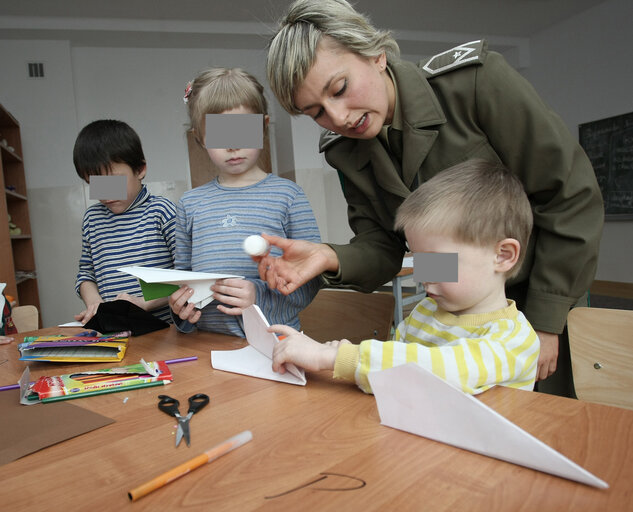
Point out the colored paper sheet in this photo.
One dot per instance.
(199, 282)
(29, 429)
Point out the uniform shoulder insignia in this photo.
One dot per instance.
(463, 55)
(327, 139)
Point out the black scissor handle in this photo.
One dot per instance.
(169, 405)
(197, 402)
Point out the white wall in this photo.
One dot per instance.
(582, 68)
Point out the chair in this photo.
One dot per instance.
(601, 347)
(25, 318)
(356, 316)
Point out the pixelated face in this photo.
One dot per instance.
(245, 142)
(476, 287)
(117, 190)
(347, 93)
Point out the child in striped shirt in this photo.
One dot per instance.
(137, 230)
(213, 220)
(465, 332)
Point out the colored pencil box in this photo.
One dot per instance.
(97, 382)
(85, 347)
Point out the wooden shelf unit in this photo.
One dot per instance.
(17, 262)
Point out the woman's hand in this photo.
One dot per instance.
(301, 261)
(548, 356)
(238, 293)
(183, 309)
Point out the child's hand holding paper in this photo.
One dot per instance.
(303, 351)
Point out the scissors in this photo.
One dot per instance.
(170, 405)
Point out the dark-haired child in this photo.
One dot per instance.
(136, 230)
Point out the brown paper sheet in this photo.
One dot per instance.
(27, 429)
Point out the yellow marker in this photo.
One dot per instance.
(186, 467)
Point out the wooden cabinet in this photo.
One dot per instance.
(17, 263)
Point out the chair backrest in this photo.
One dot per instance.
(356, 316)
(601, 347)
(25, 318)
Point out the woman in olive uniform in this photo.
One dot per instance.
(390, 125)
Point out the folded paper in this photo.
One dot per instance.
(123, 315)
(153, 281)
(413, 399)
(256, 359)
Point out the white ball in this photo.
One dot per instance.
(255, 245)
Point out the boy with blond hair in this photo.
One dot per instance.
(466, 332)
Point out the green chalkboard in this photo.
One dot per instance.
(609, 145)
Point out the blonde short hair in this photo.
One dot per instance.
(218, 89)
(475, 202)
(292, 50)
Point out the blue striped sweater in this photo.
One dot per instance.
(212, 223)
(144, 235)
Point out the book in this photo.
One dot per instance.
(97, 382)
(85, 347)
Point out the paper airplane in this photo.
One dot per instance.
(162, 282)
(413, 399)
(256, 359)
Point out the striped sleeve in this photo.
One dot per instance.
(473, 354)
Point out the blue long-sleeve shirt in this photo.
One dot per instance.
(212, 223)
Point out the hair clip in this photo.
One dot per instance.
(188, 90)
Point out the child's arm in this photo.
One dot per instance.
(89, 293)
(236, 293)
(299, 349)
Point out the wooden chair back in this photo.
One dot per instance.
(25, 318)
(601, 347)
(336, 313)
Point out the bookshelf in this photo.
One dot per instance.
(17, 262)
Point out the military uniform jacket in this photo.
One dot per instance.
(469, 103)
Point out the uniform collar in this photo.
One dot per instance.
(420, 110)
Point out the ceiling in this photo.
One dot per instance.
(420, 26)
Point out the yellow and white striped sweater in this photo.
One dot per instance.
(473, 352)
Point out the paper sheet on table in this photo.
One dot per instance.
(29, 429)
(153, 281)
(256, 359)
(413, 399)
(71, 324)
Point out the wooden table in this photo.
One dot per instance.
(318, 447)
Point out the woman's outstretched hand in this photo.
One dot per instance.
(301, 261)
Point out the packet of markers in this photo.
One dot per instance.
(85, 347)
(98, 382)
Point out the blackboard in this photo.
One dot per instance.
(609, 145)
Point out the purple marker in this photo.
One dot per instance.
(182, 360)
